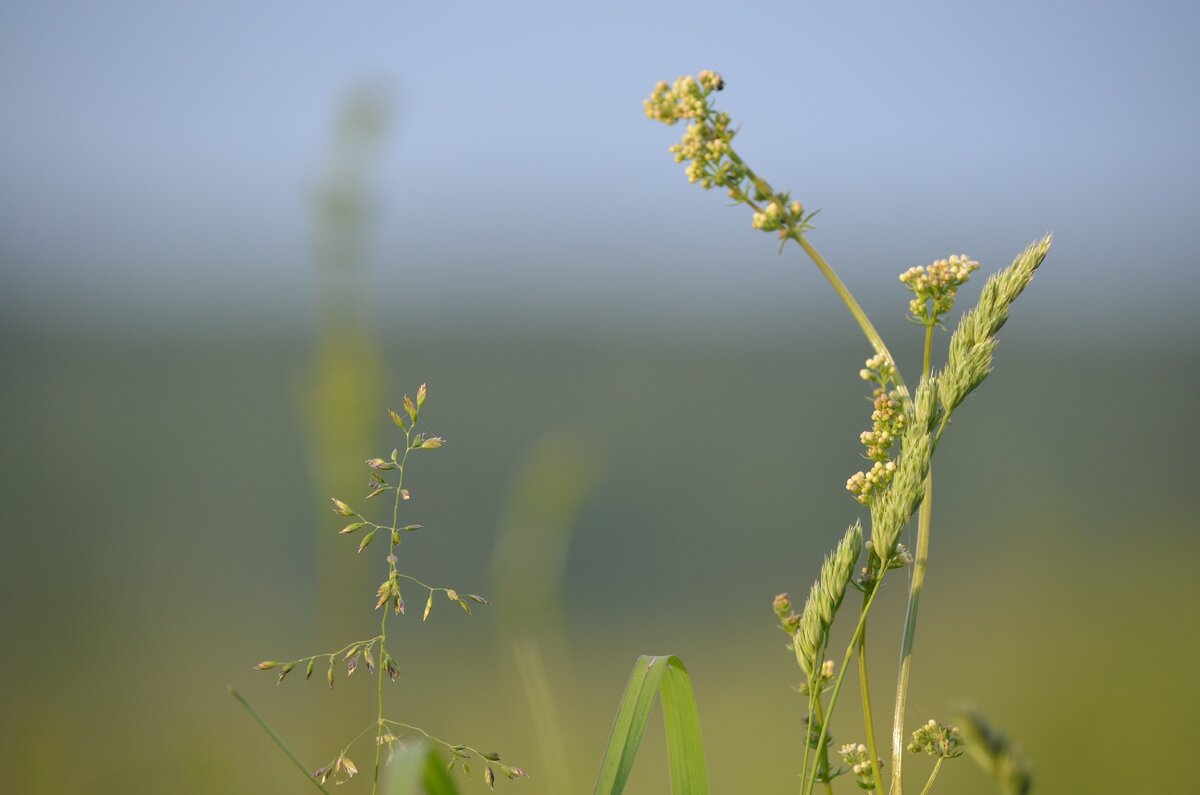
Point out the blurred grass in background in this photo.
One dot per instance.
(626, 473)
(161, 539)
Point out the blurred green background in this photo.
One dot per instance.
(211, 296)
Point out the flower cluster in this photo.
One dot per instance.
(937, 739)
(858, 759)
(707, 149)
(935, 287)
(888, 419)
(705, 143)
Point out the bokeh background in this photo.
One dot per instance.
(232, 235)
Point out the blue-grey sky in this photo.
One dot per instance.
(158, 159)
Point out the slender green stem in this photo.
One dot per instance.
(846, 659)
(936, 767)
(844, 293)
(822, 762)
(282, 747)
(814, 700)
(839, 287)
(928, 349)
(380, 725)
(924, 521)
(865, 690)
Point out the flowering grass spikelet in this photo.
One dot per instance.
(823, 601)
(896, 505)
(973, 343)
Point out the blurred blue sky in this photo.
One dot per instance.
(157, 160)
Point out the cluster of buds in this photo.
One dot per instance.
(937, 739)
(888, 419)
(705, 145)
(707, 149)
(858, 759)
(789, 620)
(779, 215)
(935, 286)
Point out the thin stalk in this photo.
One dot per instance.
(924, 521)
(837, 684)
(839, 287)
(936, 767)
(865, 690)
(824, 758)
(379, 729)
(814, 699)
(282, 747)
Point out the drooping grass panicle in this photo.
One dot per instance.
(974, 340)
(824, 599)
(892, 509)
(995, 753)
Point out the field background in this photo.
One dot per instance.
(231, 239)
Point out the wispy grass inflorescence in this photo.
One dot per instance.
(387, 476)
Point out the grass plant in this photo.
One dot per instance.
(898, 483)
(374, 654)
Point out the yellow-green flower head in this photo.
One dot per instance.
(936, 285)
(685, 99)
(705, 144)
(711, 80)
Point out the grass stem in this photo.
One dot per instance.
(920, 562)
(936, 767)
(275, 737)
(837, 683)
(839, 287)
(865, 690)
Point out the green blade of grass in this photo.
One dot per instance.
(418, 770)
(279, 742)
(652, 676)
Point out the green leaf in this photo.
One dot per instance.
(651, 676)
(418, 770)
